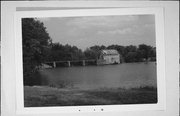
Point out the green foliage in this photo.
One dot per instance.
(145, 50)
(90, 54)
(58, 52)
(35, 42)
(131, 53)
(93, 52)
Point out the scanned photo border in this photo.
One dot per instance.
(160, 49)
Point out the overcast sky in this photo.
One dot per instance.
(85, 32)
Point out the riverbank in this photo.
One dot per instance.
(39, 96)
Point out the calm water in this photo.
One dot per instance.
(123, 75)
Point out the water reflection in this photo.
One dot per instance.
(109, 76)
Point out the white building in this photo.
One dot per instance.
(109, 57)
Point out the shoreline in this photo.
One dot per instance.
(46, 66)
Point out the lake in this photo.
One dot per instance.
(125, 75)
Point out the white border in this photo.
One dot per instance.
(171, 35)
(159, 20)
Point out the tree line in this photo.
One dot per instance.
(39, 48)
(131, 53)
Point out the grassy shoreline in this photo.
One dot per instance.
(39, 96)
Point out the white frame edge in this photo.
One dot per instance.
(160, 45)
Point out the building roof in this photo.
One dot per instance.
(110, 52)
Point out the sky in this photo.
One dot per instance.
(85, 32)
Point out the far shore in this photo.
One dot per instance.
(41, 96)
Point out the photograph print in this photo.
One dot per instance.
(89, 60)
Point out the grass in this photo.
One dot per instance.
(39, 96)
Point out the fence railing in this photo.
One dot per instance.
(55, 64)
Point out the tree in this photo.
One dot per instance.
(90, 54)
(119, 48)
(131, 57)
(93, 52)
(131, 48)
(35, 41)
(145, 51)
(59, 52)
